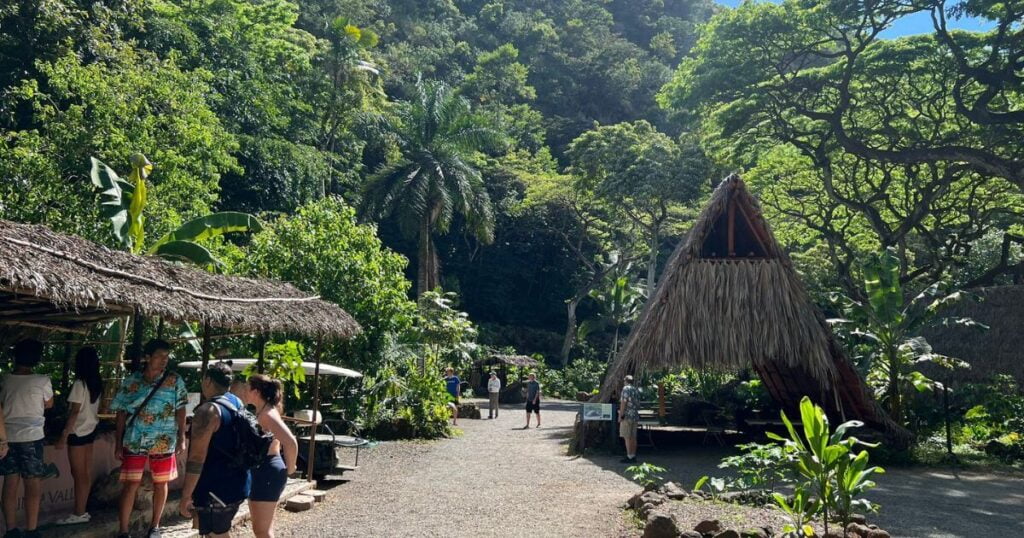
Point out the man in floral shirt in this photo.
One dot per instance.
(152, 433)
(629, 418)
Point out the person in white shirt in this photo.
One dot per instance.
(80, 429)
(493, 389)
(25, 396)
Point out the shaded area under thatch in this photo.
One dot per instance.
(998, 350)
(521, 361)
(52, 281)
(730, 299)
(510, 388)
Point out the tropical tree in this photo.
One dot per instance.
(619, 302)
(123, 203)
(892, 327)
(433, 178)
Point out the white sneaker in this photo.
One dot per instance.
(72, 519)
(154, 532)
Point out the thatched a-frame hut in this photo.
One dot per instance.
(730, 299)
(997, 350)
(56, 282)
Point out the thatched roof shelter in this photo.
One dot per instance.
(730, 299)
(998, 350)
(58, 282)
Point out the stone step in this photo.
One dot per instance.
(300, 503)
(316, 494)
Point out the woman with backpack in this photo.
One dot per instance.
(80, 429)
(269, 478)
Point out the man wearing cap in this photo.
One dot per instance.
(629, 417)
(493, 389)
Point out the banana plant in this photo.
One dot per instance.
(890, 326)
(800, 513)
(619, 303)
(123, 203)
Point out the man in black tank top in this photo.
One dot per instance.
(214, 487)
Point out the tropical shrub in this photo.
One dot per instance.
(758, 467)
(579, 376)
(405, 397)
(646, 474)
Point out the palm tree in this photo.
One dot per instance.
(432, 179)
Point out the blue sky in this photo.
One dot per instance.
(914, 24)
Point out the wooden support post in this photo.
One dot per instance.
(160, 329)
(66, 373)
(135, 352)
(261, 354)
(205, 348)
(316, 409)
(661, 403)
(732, 226)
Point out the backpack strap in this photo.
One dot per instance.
(149, 397)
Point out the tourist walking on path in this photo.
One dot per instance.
(493, 390)
(80, 429)
(215, 484)
(532, 399)
(452, 383)
(25, 396)
(629, 417)
(270, 477)
(150, 407)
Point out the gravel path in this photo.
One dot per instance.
(499, 480)
(494, 480)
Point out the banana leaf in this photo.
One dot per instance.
(209, 226)
(187, 251)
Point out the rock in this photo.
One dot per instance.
(877, 533)
(755, 533)
(660, 525)
(469, 410)
(653, 497)
(673, 491)
(299, 503)
(583, 396)
(634, 502)
(858, 518)
(646, 509)
(691, 534)
(316, 494)
(735, 497)
(709, 526)
(857, 530)
(832, 535)
(728, 533)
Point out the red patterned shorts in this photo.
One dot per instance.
(163, 467)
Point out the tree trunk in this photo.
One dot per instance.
(426, 261)
(652, 264)
(570, 329)
(895, 403)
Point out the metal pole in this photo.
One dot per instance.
(316, 410)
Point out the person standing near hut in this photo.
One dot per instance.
(25, 397)
(532, 399)
(271, 476)
(629, 418)
(493, 390)
(150, 407)
(452, 383)
(80, 429)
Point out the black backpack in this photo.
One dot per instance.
(251, 442)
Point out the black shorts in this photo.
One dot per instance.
(533, 406)
(216, 519)
(74, 440)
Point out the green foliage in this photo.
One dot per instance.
(827, 466)
(758, 467)
(888, 323)
(323, 250)
(405, 397)
(444, 334)
(284, 362)
(646, 474)
(714, 486)
(579, 376)
(996, 423)
(800, 512)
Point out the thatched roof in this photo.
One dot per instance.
(998, 350)
(511, 360)
(59, 282)
(730, 299)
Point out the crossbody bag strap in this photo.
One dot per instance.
(149, 397)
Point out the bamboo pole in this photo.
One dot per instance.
(316, 409)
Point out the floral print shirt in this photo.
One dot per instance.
(154, 430)
(630, 403)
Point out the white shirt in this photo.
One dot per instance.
(24, 398)
(87, 418)
(494, 385)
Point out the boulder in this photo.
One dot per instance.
(469, 410)
(660, 525)
(691, 534)
(858, 518)
(634, 502)
(877, 533)
(673, 491)
(652, 497)
(857, 530)
(755, 533)
(646, 509)
(728, 533)
(709, 526)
